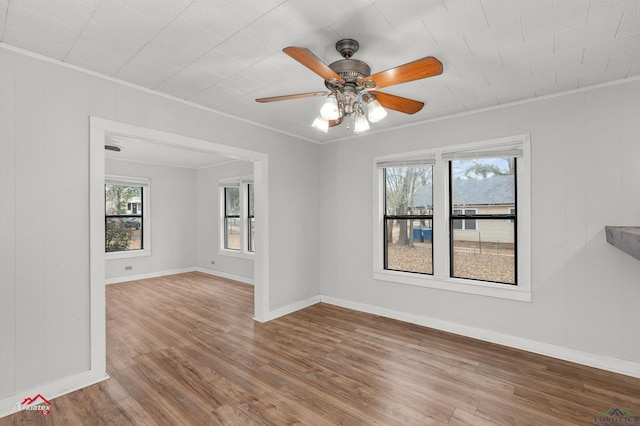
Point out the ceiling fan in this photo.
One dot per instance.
(351, 86)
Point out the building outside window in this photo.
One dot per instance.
(465, 223)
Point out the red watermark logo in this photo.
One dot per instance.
(37, 403)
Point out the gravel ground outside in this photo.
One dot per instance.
(490, 265)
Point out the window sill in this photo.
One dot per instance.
(126, 254)
(236, 253)
(502, 291)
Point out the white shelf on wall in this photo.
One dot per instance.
(626, 238)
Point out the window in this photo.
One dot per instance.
(465, 223)
(487, 254)
(408, 218)
(457, 218)
(238, 217)
(251, 239)
(232, 218)
(126, 224)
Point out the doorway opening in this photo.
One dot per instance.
(101, 131)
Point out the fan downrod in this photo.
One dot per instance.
(347, 47)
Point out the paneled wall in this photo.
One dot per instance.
(585, 175)
(44, 207)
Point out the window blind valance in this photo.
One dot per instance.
(514, 150)
(235, 181)
(126, 180)
(428, 160)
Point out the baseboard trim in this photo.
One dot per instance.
(603, 362)
(148, 275)
(12, 403)
(246, 280)
(293, 307)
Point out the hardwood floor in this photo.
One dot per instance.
(184, 350)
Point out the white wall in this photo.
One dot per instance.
(44, 212)
(585, 175)
(172, 219)
(208, 220)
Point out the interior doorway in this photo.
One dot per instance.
(100, 131)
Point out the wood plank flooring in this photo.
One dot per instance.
(184, 350)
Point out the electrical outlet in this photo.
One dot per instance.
(128, 268)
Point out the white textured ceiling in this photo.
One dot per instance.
(223, 54)
(154, 152)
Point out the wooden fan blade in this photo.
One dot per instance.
(288, 97)
(416, 70)
(311, 61)
(398, 103)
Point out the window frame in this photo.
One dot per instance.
(250, 217)
(408, 217)
(441, 278)
(244, 217)
(145, 230)
(227, 217)
(464, 216)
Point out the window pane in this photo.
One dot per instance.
(483, 182)
(252, 234)
(408, 245)
(485, 254)
(123, 233)
(232, 233)
(457, 223)
(251, 203)
(470, 223)
(123, 199)
(232, 201)
(408, 190)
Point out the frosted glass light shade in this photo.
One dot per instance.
(320, 124)
(376, 111)
(329, 110)
(361, 124)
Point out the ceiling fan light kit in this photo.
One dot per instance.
(330, 110)
(376, 111)
(360, 123)
(321, 124)
(352, 87)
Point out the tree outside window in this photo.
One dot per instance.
(408, 219)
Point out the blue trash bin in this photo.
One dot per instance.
(427, 234)
(417, 235)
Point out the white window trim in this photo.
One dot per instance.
(441, 279)
(146, 215)
(242, 182)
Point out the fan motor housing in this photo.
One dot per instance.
(351, 70)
